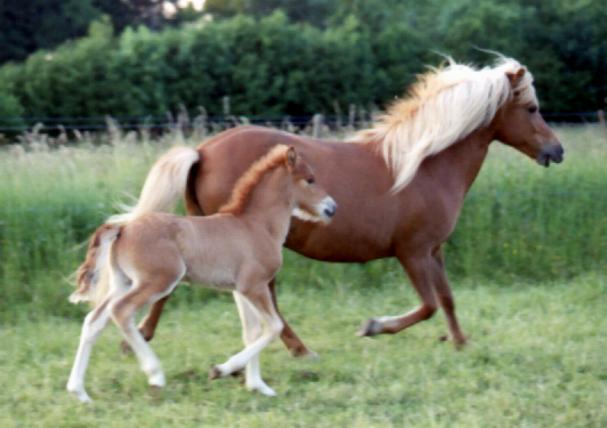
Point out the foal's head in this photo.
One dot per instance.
(519, 123)
(312, 203)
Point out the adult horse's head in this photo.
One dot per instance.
(448, 104)
(519, 124)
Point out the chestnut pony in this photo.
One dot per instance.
(136, 260)
(400, 185)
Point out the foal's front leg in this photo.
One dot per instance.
(259, 298)
(294, 344)
(251, 331)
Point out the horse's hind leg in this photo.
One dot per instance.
(422, 272)
(445, 298)
(123, 313)
(93, 325)
(288, 336)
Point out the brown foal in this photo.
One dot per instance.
(400, 185)
(135, 260)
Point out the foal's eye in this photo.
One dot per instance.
(310, 181)
(532, 109)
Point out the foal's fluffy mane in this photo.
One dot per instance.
(442, 107)
(247, 182)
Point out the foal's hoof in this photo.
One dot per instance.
(215, 373)
(370, 328)
(263, 389)
(81, 395)
(238, 373)
(155, 391)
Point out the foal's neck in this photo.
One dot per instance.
(271, 203)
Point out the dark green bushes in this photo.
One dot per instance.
(366, 54)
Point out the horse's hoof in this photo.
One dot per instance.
(443, 338)
(304, 353)
(215, 373)
(460, 343)
(125, 348)
(370, 328)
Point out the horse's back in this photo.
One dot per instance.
(354, 175)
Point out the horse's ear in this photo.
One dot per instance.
(516, 76)
(291, 156)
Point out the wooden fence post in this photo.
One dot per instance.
(317, 121)
(601, 116)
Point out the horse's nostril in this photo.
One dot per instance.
(329, 211)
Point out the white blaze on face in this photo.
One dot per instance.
(305, 216)
(327, 204)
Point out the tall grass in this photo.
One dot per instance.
(519, 221)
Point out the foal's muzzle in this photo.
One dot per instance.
(327, 208)
(553, 153)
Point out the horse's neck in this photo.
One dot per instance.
(458, 166)
(270, 204)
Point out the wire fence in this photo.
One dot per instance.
(355, 119)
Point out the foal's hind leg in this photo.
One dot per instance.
(93, 325)
(421, 270)
(148, 325)
(123, 313)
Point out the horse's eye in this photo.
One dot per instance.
(310, 181)
(532, 109)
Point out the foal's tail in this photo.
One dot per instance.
(165, 183)
(92, 277)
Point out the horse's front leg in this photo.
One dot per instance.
(422, 272)
(288, 336)
(445, 298)
(147, 326)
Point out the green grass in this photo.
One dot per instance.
(520, 221)
(529, 273)
(536, 358)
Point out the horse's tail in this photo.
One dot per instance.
(165, 183)
(92, 277)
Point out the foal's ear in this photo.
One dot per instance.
(291, 156)
(516, 76)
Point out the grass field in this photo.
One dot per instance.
(536, 358)
(520, 221)
(528, 262)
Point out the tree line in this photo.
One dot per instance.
(274, 57)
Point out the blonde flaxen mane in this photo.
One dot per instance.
(247, 182)
(444, 105)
